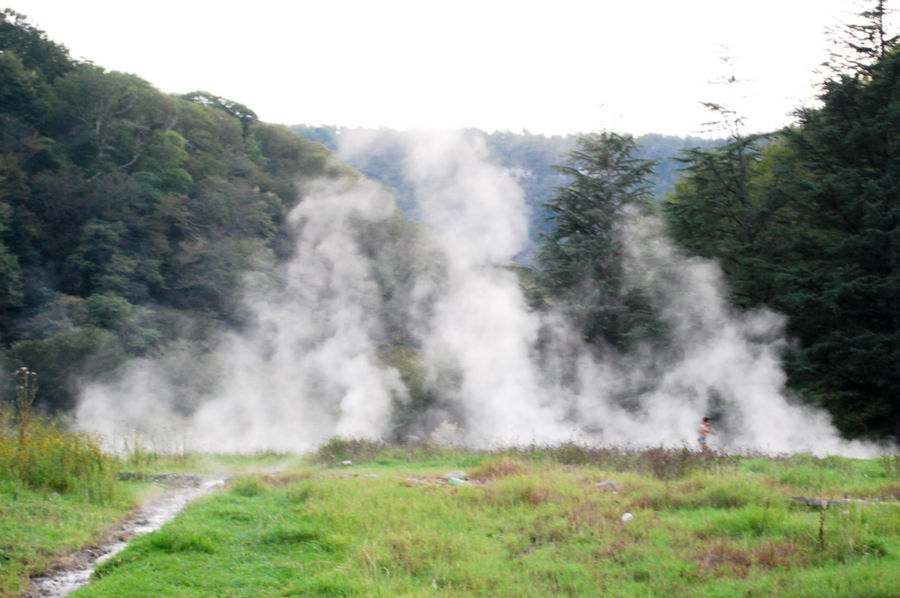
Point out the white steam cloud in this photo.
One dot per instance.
(309, 364)
(481, 324)
(306, 367)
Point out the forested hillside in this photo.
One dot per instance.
(129, 219)
(127, 216)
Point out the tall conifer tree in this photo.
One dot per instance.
(581, 256)
(844, 284)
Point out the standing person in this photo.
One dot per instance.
(704, 431)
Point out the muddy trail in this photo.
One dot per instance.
(181, 490)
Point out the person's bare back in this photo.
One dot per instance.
(704, 431)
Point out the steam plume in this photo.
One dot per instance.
(310, 364)
(481, 324)
(307, 366)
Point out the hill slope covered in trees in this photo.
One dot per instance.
(128, 217)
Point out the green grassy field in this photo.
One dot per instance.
(531, 522)
(538, 521)
(59, 492)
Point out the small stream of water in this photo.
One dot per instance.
(148, 518)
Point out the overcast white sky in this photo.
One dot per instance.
(554, 66)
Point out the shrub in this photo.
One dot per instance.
(357, 450)
(500, 467)
(43, 456)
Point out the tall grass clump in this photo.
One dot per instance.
(37, 453)
(57, 490)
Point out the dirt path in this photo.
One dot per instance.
(148, 518)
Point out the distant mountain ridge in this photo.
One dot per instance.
(531, 158)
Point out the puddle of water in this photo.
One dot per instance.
(148, 518)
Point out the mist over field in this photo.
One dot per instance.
(307, 366)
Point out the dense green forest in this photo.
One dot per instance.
(129, 217)
(804, 221)
(808, 223)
